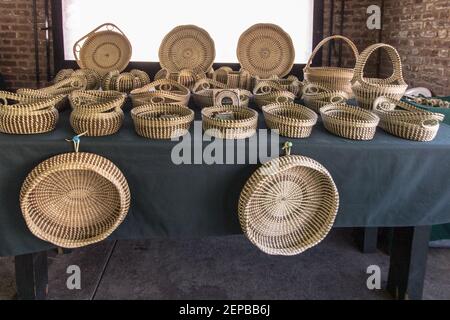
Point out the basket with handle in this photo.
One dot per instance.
(349, 122)
(66, 86)
(291, 120)
(96, 101)
(35, 95)
(268, 92)
(125, 82)
(315, 96)
(185, 77)
(367, 90)
(406, 121)
(332, 78)
(205, 90)
(288, 205)
(92, 77)
(163, 91)
(291, 83)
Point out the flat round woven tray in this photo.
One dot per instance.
(288, 205)
(74, 199)
(187, 47)
(104, 51)
(266, 50)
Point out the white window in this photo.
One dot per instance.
(147, 22)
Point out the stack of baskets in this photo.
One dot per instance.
(206, 91)
(161, 92)
(268, 92)
(96, 113)
(21, 114)
(407, 121)
(367, 90)
(316, 96)
(125, 82)
(162, 121)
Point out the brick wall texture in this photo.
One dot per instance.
(419, 29)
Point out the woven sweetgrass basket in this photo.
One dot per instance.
(316, 96)
(74, 199)
(291, 83)
(185, 77)
(163, 91)
(407, 121)
(367, 90)
(92, 77)
(33, 95)
(96, 101)
(288, 205)
(332, 78)
(125, 82)
(268, 92)
(97, 124)
(349, 122)
(207, 97)
(162, 121)
(20, 115)
(291, 120)
(243, 125)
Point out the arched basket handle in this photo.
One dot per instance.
(267, 86)
(324, 41)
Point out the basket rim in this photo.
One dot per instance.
(370, 118)
(311, 119)
(250, 114)
(183, 114)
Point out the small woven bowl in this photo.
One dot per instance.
(150, 123)
(291, 120)
(243, 126)
(349, 122)
(97, 124)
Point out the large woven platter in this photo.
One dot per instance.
(104, 51)
(187, 47)
(266, 50)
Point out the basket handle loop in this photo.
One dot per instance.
(205, 84)
(397, 74)
(324, 41)
(287, 147)
(220, 95)
(314, 88)
(266, 86)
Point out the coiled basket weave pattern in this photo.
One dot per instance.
(163, 91)
(74, 199)
(288, 205)
(316, 96)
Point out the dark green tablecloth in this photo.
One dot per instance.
(384, 182)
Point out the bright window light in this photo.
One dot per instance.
(147, 22)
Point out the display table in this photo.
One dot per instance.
(387, 182)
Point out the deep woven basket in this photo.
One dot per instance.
(291, 120)
(161, 91)
(407, 121)
(97, 124)
(349, 122)
(367, 90)
(315, 96)
(149, 121)
(332, 78)
(74, 199)
(288, 205)
(243, 126)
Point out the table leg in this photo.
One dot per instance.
(409, 253)
(32, 276)
(367, 239)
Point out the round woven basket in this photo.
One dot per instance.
(291, 120)
(315, 96)
(97, 124)
(162, 121)
(349, 122)
(407, 121)
(288, 205)
(103, 51)
(265, 50)
(163, 91)
(332, 78)
(367, 90)
(74, 199)
(243, 125)
(187, 47)
(33, 95)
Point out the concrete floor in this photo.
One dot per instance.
(224, 268)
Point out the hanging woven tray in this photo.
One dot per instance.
(125, 82)
(315, 96)
(74, 200)
(332, 78)
(367, 90)
(187, 47)
(268, 92)
(162, 121)
(33, 95)
(349, 122)
(92, 77)
(162, 91)
(20, 115)
(291, 120)
(288, 205)
(243, 125)
(266, 50)
(103, 51)
(407, 121)
(96, 101)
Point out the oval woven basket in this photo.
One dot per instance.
(407, 121)
(332, 78)
(265, 50)
(187, 47)
(315, 96)
(162, 121)
(97, 124)
(291, 120)
(34, 95)
(367, 90)
(74, 199)
(288, 205)
(243, 125)
(163, 91)
(96, 101)
(349, 122)
(103, 50)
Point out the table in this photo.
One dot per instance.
(387, 182)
